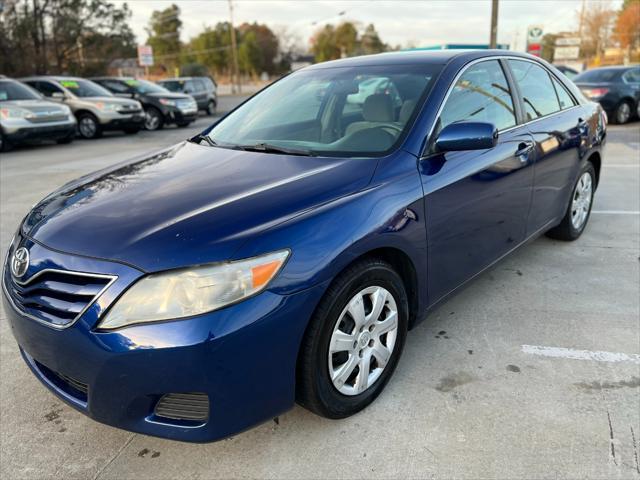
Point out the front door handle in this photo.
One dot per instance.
(524, 148)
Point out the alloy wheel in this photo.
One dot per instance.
(581, 202)
(88, 127)
(623, 113)
(152, 120)
(363, 340)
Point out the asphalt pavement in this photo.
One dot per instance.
(533, 371)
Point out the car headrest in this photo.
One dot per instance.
(378, 108)
(406, 110)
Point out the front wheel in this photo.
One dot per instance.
(579, 209)
(153, 119)
(354, 340)
(88, 126)
(211, 108)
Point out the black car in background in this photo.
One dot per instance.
(161, 106)
(203, 89)
(568, 72)
(617, 89)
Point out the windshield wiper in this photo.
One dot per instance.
(269, 148)
(200, 138)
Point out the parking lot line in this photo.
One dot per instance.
(570, 353)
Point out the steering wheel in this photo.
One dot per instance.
(395, 129)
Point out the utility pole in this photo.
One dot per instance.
(493, 39)
(235, 76)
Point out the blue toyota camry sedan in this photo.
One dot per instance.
(283, 254)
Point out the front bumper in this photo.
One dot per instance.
(243, 357)
(177, 115)
(118, 121)
(26, 131)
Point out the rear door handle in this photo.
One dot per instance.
(524, 148)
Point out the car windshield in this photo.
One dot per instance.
(84, 88)
(343, 111)
(600, 75)
(173, 85)
(10, 90)
(143, 86)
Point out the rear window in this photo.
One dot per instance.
(600, 75)
(10, 90)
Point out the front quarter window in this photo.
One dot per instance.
(342, 111)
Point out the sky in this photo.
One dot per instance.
(399, 22)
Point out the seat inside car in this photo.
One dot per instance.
(377, 111)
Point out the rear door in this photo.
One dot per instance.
(197, 90)
(560, 129)
(476, 202)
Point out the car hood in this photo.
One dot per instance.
(188, 204)
(36, 106)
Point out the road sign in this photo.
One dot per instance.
(571, 52)
(145, 55)
(534, 34)
(567, 41)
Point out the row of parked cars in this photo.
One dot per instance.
(60, 108)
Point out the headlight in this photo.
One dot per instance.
(191, 291)
(15, 112)
(166, 101)
(108, 107)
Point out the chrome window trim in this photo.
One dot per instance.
(112, 279)
(483, 59)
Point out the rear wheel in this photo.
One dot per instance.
(622, 113)
(88, 126)
(579, 209)
(354, 340)
(153, 119)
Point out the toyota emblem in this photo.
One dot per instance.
(20, 262)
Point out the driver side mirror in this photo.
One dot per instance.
(467, 136)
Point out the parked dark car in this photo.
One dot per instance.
(95, 108)
(161, 106)
(284, 253)
(25, 116)
(617, 89)
(569, 72)
(203, 89)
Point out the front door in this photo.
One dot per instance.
(476, 202)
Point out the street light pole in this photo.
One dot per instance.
(493, 40)
(235, 76)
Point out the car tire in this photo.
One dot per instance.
(320, 387)
(5, 145)
(622, 113)
(211, 108)
(579, 209)
(153, 119)
(88, 126)
(131, 131)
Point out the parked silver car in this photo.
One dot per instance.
(95, 108)
(25, 116)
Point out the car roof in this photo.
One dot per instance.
(408, 57)
(614, 67)
(53, 77)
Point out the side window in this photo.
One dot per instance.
(481, 94)
(566, 101)
(191, 86)
(47, 88)
(200, 85)
(632, 76)
(537, 90)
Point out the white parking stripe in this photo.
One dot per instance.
(616, 212)
(559, 352)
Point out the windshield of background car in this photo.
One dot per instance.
(173, 85)
(144, 87)
(16, 91)
(593, 76)
(343, 111)
(85, 88)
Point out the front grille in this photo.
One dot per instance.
(183, 406)
(56, 296)
(129, 109)
(49, 118)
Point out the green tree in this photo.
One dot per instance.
(329, 42)
(370, 41)
(212, 48)
(164, 35)
(249, 54)
(63, 36)
(261, 37)
(323, 44)
(346, 38)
